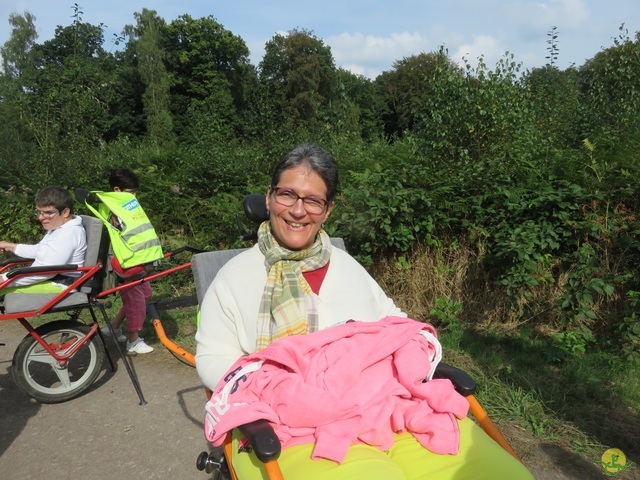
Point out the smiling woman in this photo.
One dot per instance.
(64, 243)
(293, 280)
(294, 285)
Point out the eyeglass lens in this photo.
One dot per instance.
(288, 198)
(46, 213)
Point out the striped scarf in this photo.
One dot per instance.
(288, 305)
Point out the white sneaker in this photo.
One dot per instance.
(119, 335)
(139, 347)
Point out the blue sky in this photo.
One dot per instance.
(367, 36)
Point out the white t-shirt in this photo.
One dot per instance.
(67, 244)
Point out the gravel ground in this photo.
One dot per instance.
(105, 434)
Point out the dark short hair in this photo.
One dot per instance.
(123, 178)
(318, 159)
(55, 196)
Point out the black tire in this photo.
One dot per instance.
(36, 372)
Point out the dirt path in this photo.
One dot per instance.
(106, 435)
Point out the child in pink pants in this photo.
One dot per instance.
(135, 298)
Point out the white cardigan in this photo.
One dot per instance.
(230, 307)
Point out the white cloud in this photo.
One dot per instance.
(369, 55)
(482, 45)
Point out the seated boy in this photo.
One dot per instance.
(65, 242)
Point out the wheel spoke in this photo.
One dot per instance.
(63, 375)
(42, 357)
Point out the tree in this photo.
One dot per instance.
(16, 147)
(556, 110)
(68, 88)
(610, 85)
(209, 67)
(146, 37)
(299, 71)
(410, 85)
(359, 105)
(15, 51)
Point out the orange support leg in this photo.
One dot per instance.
(489, 427)
(171, 346)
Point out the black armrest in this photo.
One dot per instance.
(461, 380)
(263, 439)
(43, 269)
(11, 260)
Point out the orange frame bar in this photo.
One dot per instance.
(488, 426)
(106, 293)
(170, 345)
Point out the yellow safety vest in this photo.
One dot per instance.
(134, 240)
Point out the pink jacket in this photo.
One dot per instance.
(357, 382)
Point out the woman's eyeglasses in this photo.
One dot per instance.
(46, 213)
(288, 198)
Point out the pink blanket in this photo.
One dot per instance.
(357, 382)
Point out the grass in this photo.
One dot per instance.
(591, 399)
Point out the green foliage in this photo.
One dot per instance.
(413, 84)
(358, 106)
(446, 310)
(381, 212)
(555, 106)
(17, 222)
(531, 227)
(206, 63)
(535, 171)
(552, 41)
(611, 94)
(15, 51)
(153, 74)
(629, 328)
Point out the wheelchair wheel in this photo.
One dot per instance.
(40, 376)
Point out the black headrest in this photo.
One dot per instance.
(85, 196)
(255, 207)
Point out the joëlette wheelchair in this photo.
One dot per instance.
(260, 434)
(59, 360)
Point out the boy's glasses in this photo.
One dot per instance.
(288, 198)
(46, 213)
